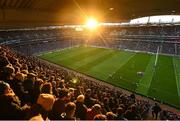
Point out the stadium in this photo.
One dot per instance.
(89, 60)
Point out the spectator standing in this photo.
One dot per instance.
(155, 110)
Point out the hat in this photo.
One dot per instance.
(3, 86)
(46, 101)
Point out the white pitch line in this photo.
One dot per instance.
(177, 80)
(122, 65)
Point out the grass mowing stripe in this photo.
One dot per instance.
(108, 66)
(126, 76)
(145, 82)
(74, 53)
(176, 63)
(94, 61)
(163, 86)
(72, 60)
(61, 52)
(121, 70)
(62, 57)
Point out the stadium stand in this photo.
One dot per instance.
(145, 38)
(29, 86)
(35, 89)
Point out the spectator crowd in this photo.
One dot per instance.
(138, 38)
(34, 90)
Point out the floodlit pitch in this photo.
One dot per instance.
(128, 70)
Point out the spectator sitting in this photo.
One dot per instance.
(46, 88)
(96, 109)
(3, 60)
(28, 83)
(36, 90)
(81, 109)
(59, 105)
(106, 104)
(61, 84)
(52, 78)
(7, 73)
(110, 116)
(69, 111)
(119, 114)
(99, 117)
(10, 104)
(54, 88)
(131, 114)
(17, 86)
(40, 110)
(89, 101)
(163, 115)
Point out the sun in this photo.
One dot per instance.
(91, 23)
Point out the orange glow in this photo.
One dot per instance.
(91, 23)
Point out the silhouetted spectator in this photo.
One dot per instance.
(96, 109)
(110, 116)
(39, 111)
(99, 117)
(132, 114)
(46, 88)
(81, 109)
(59, 105)
(89, 101)
(119, 114)
(155, 110)
(11, 108)
(69, 111)
(17, 85)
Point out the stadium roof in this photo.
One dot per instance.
(36, 12)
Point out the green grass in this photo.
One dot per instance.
(120, 68)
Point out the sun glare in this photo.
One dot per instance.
(91, 23)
